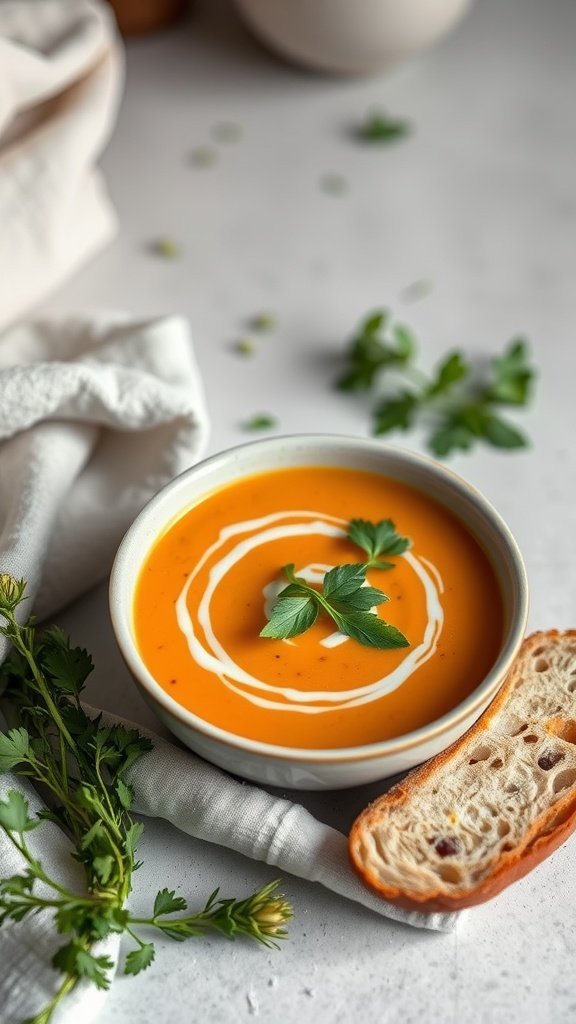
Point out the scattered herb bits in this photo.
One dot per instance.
(334, 184)
(459, 403)
(203, 157)
(261, 421)
(264, 323)
(378, 127)
(417, 290)
(227, 132)
(166, 247)
(245, 347)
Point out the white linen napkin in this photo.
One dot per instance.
(76, 396)
(60, 79)
(96, 413)
(173, 784)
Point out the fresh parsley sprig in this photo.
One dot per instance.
(84, 764)
(460, 404)
(345, 595)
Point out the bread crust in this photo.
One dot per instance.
(546, 834)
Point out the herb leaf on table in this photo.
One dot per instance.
(459, 403)
(380, 128)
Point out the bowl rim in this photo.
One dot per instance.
(171, 708)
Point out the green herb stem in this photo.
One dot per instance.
(16, 633)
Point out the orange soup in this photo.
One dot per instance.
(207, 585)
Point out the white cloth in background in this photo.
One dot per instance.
(96, 413)
(60, 83)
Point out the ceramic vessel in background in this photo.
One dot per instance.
(324, 768)
(135, 17)
(358, 37)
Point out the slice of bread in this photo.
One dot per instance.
(480, 815)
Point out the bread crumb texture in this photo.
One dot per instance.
(476, 811)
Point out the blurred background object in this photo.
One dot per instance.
(137, 16)
(61, 79)
(349, 36)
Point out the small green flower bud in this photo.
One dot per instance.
(271, 916)
(11, 591)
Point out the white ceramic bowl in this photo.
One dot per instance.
(320, 769)
(350, 36)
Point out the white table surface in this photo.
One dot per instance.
(481, 201)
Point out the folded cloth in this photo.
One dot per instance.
(203, 801)
(95, 415)
(60, 79)
(76, 396)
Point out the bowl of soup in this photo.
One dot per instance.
(199, 576)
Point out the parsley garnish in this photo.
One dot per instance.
(345, 595)
(379, 127)
(377, 539)
(460, 404)
(83, 765)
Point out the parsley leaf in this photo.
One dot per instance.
(14, 748)
(125, 794)
(14, 816)
(377, 345)
(75, 959)
(452, 369)
(396, 413)
(261, 421)
(469, 423)
(139, 959)
(377, 539)
(167, 902)
(513, 375)
(501, 434)
(293, 613)
(372, 631)
(344, 581)
(68, 666)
